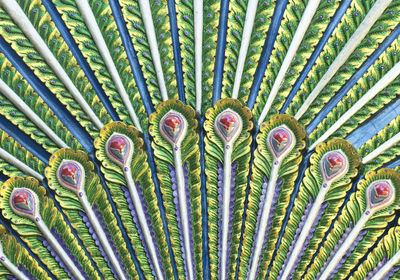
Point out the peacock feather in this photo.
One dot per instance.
(199, 139)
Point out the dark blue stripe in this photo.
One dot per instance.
(302, 169)
(318, 49)
(55, 105)
(220, 53)
(132, 57)
(153, 168)
(266, 52)
(117, 216)
(353, 80)
(177, 49)
(24, 139)
(206, 257)
(375, 124)
(65, 33)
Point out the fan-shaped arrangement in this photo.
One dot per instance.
(199, 139)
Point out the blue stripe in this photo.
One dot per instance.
(177, 50)
(220, 53)
(24, 140)
(266, 52)
(153, 168)
(55, 105)
(353, 80)
(132, 57)
(206, 257)
(318, 49)
(117, 216)
(375, 124)
(56, 17)
(302, 170)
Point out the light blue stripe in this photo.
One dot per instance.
(375, 124)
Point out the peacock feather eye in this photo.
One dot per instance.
(334, 165)
(281, 141)
(228, 125)
(380, 193)
(71, 175)
(119, 149)
(229, 140)
(173, 127)
(23, 202)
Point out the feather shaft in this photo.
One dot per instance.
(60, 251)
(225, 211)
(151, 35)
(19, 164)
(305, 231)
(198, 45)
(101, 236)
(180, 181)
(94, 29)
(362, 30)
(142, 220)
(264, 221)
(19, 17)
(384, 270)
(294, 45)
(11, 267)
(378, 87)
(346, 244)
(244, 46)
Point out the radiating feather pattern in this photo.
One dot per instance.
(155, 101)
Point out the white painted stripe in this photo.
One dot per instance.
(305, 231)
(381, 273)
(143, 222)
(379, 150)
(305, 21)
(90, 20)
(19, 164)
(20, 104)
(19, 17)
(151, 36)
(362, 30)
(264, 222)
(180, 182)
(226, 199)
(198, 50)
(102, 236)
(378, 87)
(244, 46)
(346, 245)
(57, 247)
(10, 266)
